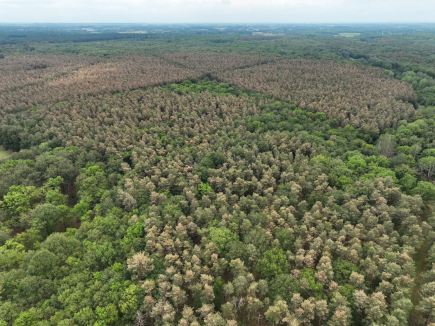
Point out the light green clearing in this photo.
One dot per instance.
(349, 34)
(265, 34)
(4, 154)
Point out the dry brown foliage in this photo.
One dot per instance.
(360, 96)
(21, 71)
(113, 75)
(212, 62)
(118, 122)
(363, 97)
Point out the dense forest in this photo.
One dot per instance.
(217, 176)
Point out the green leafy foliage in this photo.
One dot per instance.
(222, 237)
(204, 189)
(342, 270)
(272, 263)
(283, 286)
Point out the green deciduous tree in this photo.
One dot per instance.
(273, 263)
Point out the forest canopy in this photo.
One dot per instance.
(177, 185)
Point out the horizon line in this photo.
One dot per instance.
(226, 23)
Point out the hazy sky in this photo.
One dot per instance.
(212, 11)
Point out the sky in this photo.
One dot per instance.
(216, 11)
